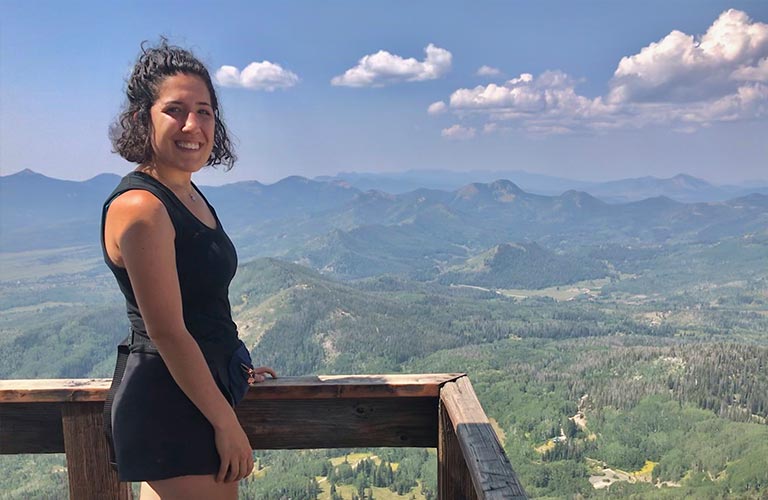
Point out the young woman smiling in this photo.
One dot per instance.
(172, 418)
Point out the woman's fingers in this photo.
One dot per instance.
(264, 369)
(248, 467)
(245, 469)
(222, 474)
(234, 471)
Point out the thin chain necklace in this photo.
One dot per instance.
(147, 169)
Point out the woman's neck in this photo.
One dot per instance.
(175, 180)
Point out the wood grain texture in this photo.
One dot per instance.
(454, 481)
(53, 390)
(309, 387)
(486, 461)
(90, 475)
(340, 423)
(442, 410)
(31, 428)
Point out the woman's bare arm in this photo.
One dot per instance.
(142, 235)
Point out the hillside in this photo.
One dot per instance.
(535, 363)
(525, 265)
(580, 323)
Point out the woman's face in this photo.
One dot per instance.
(182, 124)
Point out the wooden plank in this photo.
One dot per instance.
(90, 475)
(339, 423)
(53, 390)
(453, 479)
(486, 461)
(270, 424)
(311, 387)
(31, 428)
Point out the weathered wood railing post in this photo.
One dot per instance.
(337, 411)
(471, 462)
(90, 475)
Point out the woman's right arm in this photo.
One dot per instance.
(140, 233)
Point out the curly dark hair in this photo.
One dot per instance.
(131, 131)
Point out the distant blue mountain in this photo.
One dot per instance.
(334, 225)
(449, 180)
(41, 212)
(681, 187)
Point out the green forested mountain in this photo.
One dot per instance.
(525, 265)
(620, 349)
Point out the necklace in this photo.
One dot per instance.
(149, 169)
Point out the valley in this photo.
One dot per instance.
(617, 352)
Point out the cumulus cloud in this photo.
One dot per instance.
(488, 71)
(383, 68)
(547, 102)
(436, 108)
(684, 68)
(458, 133)
(757, 73)
(263, 75)
(682, 81)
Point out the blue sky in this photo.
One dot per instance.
(594, 90)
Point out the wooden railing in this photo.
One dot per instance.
(431, 410)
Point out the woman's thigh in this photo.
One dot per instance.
(189, 488)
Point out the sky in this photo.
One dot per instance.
(589, 90)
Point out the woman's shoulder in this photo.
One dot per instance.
(138, 205)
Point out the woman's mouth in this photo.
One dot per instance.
(190, 146)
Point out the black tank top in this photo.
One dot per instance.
(205, 262)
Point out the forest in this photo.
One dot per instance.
(666, 391)
(618, 355)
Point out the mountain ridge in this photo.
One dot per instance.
(294, 217)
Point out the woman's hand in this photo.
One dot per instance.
(235, 453)
(256, 375)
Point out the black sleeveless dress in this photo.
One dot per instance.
(157, 432)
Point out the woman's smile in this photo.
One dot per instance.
(190, 146)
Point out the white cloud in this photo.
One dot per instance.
(436, 108)
(488, 71)
(263, 75)
(757, 73)
(459, 133)
(682, 82)
(228, 76)
(383, 68)
(552, 94)
(684, 68)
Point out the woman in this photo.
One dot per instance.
(173, 423)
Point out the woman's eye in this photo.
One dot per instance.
(205, 112)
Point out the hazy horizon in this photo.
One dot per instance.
(748, 183)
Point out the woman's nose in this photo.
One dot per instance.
(191, 123)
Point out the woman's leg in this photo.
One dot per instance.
(189, 488)
(147, 493)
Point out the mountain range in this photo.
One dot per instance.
(681, 187)
(425, 233)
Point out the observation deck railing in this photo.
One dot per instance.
(341, 411)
